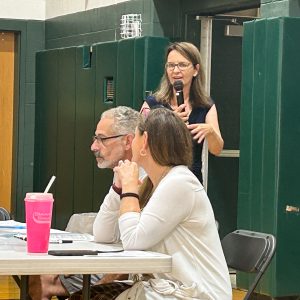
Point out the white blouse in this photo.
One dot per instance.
(179, 221)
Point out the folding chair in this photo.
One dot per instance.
(250, 252)
(81, 223)
(4, 214)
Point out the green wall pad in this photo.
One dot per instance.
(140, 66)
(269, 145)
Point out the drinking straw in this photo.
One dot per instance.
(49, 184)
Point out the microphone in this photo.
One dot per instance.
(178, 86)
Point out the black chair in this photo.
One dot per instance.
(4, 214)
(250, 252)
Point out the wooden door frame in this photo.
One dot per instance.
(10, 204)
(7, 53)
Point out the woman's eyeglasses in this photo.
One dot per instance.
(181, 66)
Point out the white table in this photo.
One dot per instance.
(14, 260)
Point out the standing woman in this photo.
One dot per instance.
(169, 213)
(183, 62)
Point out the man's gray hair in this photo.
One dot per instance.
(125, 119)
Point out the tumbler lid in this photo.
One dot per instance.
(39, 196)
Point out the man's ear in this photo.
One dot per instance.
(128, 141)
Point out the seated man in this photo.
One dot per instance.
(111, 143)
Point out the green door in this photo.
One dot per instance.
(269, 195)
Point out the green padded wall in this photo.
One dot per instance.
(65, 140)
(269, 145)
(46, 119)
(154, 60)
(71, 95)
(84, 127)
(125, 60)
(65, 122)
(140, 66)
(105, 64)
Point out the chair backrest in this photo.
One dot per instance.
(4, 214)
(81, 223)
(250, 252)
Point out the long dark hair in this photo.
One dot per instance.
(169, 141)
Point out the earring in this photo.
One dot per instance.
(143, 152)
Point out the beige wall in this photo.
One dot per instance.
(46, 9)
(56, 8)
(22, 9)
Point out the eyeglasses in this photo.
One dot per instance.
(100, 139)
(181, 66)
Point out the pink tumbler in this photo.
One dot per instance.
(38, 209)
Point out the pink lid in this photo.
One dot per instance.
(39, 196)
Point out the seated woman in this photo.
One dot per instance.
(169, 213)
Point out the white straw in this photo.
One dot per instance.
(49, 184)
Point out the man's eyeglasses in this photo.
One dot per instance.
(101, 139)
(181, 66)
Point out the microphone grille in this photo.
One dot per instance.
(178, 85)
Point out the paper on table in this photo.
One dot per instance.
(86, 245)
(5, 235)
(73, 236)
(11, 224)
(62, 236)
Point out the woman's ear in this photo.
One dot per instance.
(197, 67)
(145, 145)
